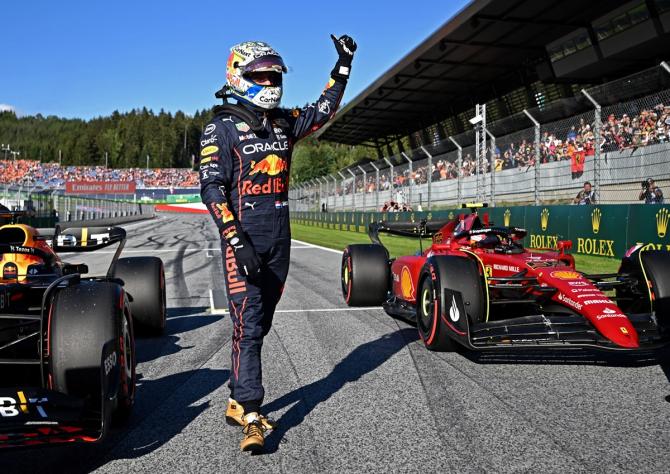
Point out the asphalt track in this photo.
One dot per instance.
(355, 391)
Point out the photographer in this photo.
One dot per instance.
(585, 196)
(651, 193)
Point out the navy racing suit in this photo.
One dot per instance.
(244, 173)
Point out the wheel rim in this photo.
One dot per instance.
(426, 306)
(346, 277)
(128, 356)
(127, 350)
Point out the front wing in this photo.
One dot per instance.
(541, 330)
(34, 416)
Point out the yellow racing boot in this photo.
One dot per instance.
(235, 416)
(254, 433)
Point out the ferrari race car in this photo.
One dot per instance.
(67, 347)
(477, 286)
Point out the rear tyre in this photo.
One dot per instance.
(365, 274)
(144, 280)
(457, 274)
(92, 348)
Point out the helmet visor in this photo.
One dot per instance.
(265, 64)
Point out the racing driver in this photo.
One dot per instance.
(244, 170)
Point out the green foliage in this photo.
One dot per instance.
(313, 158)
(129, 137)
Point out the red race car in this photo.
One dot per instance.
(477, 286)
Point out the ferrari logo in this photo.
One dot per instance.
(506, 217)
(544, 219)
(595, 220)
(662, 222)
(451, 215)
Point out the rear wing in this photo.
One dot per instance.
(421, 229)
(86, 239)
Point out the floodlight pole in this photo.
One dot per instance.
(493, 167)
(459, 168)
(430, 175)
(536, 125)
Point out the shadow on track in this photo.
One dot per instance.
(362, 360)
(179, 320)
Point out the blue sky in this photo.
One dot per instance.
(85, 59)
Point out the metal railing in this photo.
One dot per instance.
(614, 135)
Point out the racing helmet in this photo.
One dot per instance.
(254, 56)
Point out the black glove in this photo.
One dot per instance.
(248, 262)
(345, 47)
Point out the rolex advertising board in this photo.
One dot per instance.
(603, 230)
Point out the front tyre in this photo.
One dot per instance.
(432, 329)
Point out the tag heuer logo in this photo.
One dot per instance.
(662, 222)
(506, 217)
(544, 219)
(595, 220)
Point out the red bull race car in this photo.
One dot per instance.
(67, 345)
(477, 287)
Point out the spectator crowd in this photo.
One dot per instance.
(648, 127)
(52, 175)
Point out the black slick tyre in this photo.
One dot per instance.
(459, 274)
(144, 280)
(365, 274)
(91, 348)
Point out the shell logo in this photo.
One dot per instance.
(406, 284)
(209, 150)
(565, 275)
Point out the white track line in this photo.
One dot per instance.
(326, 310)
(188, 250)
(317, 246)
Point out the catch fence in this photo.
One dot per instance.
(614, 136)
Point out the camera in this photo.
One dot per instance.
(645, 184)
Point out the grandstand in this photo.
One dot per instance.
(572, 91)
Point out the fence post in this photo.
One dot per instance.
(459, 167)
(365, 184)
(353, 190)
(343, 178)
(536, 124)
(334, 193)
(409, 186)
(391, 177)
(596, 132)
(430, 175)
(493, 167)
(376, 186)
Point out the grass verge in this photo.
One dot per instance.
(397, 246)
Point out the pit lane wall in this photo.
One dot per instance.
(604, 230)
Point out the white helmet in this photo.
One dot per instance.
(254, 56)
